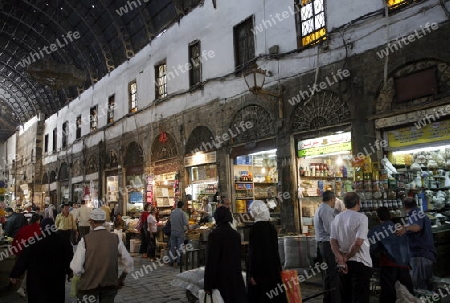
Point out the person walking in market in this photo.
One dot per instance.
(264, 264)
(348, 239)
(46, 261)
(142, 227)
(331, 277)
(223, 269)
(152, 229)
(179, 222)
(96, 262)
(82, 218)
(421, 244)
(65, 223)
(22, 240)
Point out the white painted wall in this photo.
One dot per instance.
(214, 28)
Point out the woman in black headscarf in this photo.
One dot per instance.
(223, 269)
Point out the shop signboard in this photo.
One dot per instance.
(200, 158)
(324, 141)
(409, 136)
(323, 150)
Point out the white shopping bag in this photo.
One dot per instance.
(403, 295)
(215, 297)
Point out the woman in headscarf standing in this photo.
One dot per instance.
(264, 265)
(223, 269)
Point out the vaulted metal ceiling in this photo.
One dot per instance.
(52, 50)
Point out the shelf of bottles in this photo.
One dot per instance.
(376, 189)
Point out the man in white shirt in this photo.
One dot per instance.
(82, 218)
(96, 261)
(348, 239)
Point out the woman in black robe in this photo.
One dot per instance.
(47, 261)
(264, 265)
(223, 269)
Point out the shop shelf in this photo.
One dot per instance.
(244, 182)
(323, 178)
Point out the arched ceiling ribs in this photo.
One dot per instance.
(112, 65)
(26, 80)
(97, 36)
(23, 43)
(23, 110)
(35, 106)
(108, 39)
(63, 31)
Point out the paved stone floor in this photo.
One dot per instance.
(153, 287)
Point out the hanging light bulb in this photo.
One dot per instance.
(263, 170)
(339, 161)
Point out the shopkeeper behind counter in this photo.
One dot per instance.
(206, 211)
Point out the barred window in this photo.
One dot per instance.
(244, 44)
(132, 96)
(55, 139)
(311, 24)
(196, 63)
(46, 144)
(111, 106)
(161, 80)
(65, 134)
(94, 118)
(78, 127)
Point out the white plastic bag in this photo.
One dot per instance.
(403, 295)
(215, 297)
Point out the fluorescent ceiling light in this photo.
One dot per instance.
(272, 151)
(344, 152)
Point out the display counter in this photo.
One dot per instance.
(441, 235)
(7, 264)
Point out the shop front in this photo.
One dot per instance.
(417, 164)
(112, 190)
(135, 184)
(64, 186)
(202, 175)
(255, 177)
(201, 171)
(324, 163)
(163, 183)
(135, 189)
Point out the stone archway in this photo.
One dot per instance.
(387, 93)
(52, 176)
(92, 165)
(63, 172)
(77, 168)
(45, 178)
(263, 125)
(134, 155)
(200, 139)
(324, 109)
(163, 147)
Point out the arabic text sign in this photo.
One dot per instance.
(324, 141)
(322, 150)
(407, 136)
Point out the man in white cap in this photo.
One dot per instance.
(28, 211)
(96, 261)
